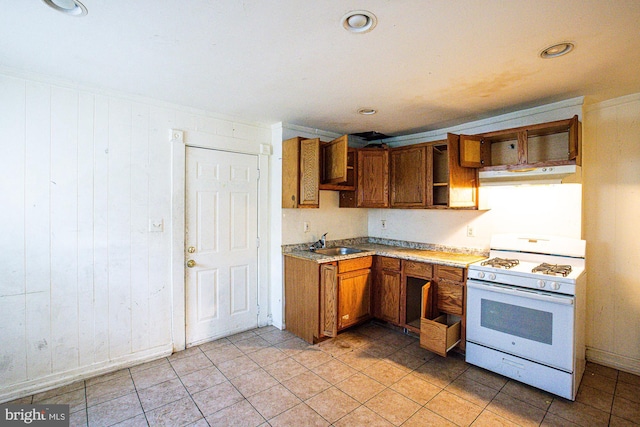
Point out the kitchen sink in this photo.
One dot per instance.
(337, 251)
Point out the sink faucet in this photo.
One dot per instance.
(321, 243)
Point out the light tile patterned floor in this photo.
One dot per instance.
(369, 376)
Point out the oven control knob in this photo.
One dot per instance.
(541, 284)
(555, 286)
(492, 276)
(481, 275)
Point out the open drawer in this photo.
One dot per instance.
(440, 334)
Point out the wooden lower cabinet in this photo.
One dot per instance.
(388, 296)
(354, 298)
(450, 297)
(301, 298)
(386, 289)
(328, 300)
(399, 298)
(415, 276)
(322, 299)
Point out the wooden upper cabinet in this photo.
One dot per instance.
(545, 144)
(300, 173)
(450, 185)
(309, 172)
(373, 178)
(473, 152)
(463, 182)
(334, 161)
(408, 179)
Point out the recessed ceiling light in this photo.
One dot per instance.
(69, 7)
(367, 111)
(556, 50)
(359, 21)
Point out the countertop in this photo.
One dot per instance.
(420, 255)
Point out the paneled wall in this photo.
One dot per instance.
(85, 284)
(611, 228)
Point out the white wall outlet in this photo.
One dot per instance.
(305, 227)
(384, 224)
(471, 232)
(156, 225)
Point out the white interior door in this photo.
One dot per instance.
(220, 244)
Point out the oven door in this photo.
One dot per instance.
(534, 325)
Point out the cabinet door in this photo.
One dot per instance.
(334, 161)
(290, 172)
(309, 173)
(575, 135)
(408, 177)
(463, 182)
(373, 178)
(300, 173)
(354, 297)
(328, 301)
(388, 296)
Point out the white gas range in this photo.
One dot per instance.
(526, 311)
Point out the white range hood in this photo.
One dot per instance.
(539, 175)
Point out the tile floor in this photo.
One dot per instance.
(369, 376)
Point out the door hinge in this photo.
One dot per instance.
(257, 242)
(258, 174)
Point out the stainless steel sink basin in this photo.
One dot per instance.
(337, 251)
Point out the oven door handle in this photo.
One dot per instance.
(521, 293)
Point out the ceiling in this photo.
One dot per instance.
(426, 65)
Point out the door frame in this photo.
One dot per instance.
(180, 140)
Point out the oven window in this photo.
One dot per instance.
(523, 322)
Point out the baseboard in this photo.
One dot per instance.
(60, 379)
(622, 363)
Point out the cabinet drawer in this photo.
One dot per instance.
(354, 264)
(450, 297)
(386, 263)
(440, 334)
(450, 273)
(417, 269)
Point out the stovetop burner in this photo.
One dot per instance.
(501, 262)
(552, 269)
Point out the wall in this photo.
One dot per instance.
(611, 204)
(553, 209)
(85, 286)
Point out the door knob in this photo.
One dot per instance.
(191, 263)
(191, 249)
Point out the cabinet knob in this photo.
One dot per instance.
(191, 263)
